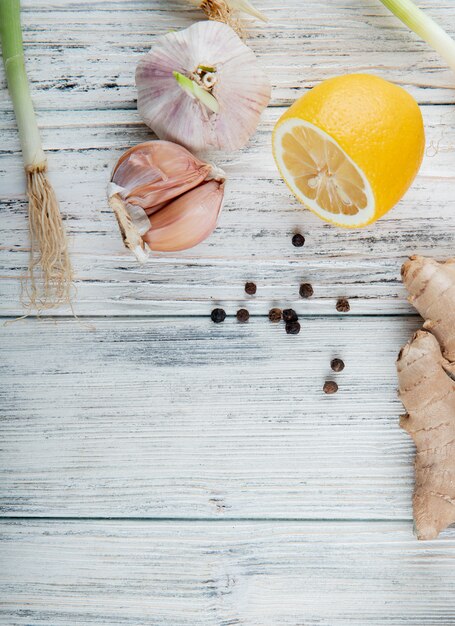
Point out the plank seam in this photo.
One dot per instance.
(215, 520)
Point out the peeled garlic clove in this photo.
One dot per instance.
(212, 56)
(154, 172)
(188, 220)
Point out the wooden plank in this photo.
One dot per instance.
(83, 54)
(252, 242)
(183, 418)
(207, 574)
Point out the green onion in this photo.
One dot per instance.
(425, 27)
(50, 275)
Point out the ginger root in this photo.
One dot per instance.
(426, 374)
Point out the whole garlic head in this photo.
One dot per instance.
(202, 87)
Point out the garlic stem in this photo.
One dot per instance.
(220, 9)
(244, 6)
(190, 87)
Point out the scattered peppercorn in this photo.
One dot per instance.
(289, 315)
(298, 240)
(250, 289)
(306, 290)
(218, 315)
(243, 315)
(292, 328)
(337, 365)
(275, 315)
(343, 306)
(330, 386)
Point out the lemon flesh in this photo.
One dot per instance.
(321, 175)
(350, 148)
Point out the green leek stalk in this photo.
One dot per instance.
(49, 278)
(425, 27)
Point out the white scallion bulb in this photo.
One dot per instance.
(202, 87)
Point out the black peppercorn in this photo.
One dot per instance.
(337, 365)
(330, 386)
(343, 306)
(298, 240)
(289, 315)
(243, 315)
(275, 315)
(218, 315)
(292, 328)
(306, 290)
(250, 289)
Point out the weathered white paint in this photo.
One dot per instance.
(176, 417)
(81, 59)
(185, 418)
(83, 54)
(253, 240)
(224, 574)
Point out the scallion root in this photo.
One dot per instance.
(49, 280)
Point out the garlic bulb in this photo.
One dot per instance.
(202, 87)
(164, 197)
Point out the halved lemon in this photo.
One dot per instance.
(350, 148)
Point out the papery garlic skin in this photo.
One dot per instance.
(240, 87)
(215, 8)
(244, 6)
(188, 220)
(154, 172)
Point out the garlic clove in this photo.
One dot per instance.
(188, 220)
(165, 181)
(153, 173)
(236, 82)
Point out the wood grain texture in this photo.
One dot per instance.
(224, 574)
(81, 59)
(252, 242)
(185, 418)
(83, 54)
(290, 507)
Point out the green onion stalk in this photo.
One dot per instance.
(49, 278)
(425, 27)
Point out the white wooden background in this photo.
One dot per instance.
(158, 469)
